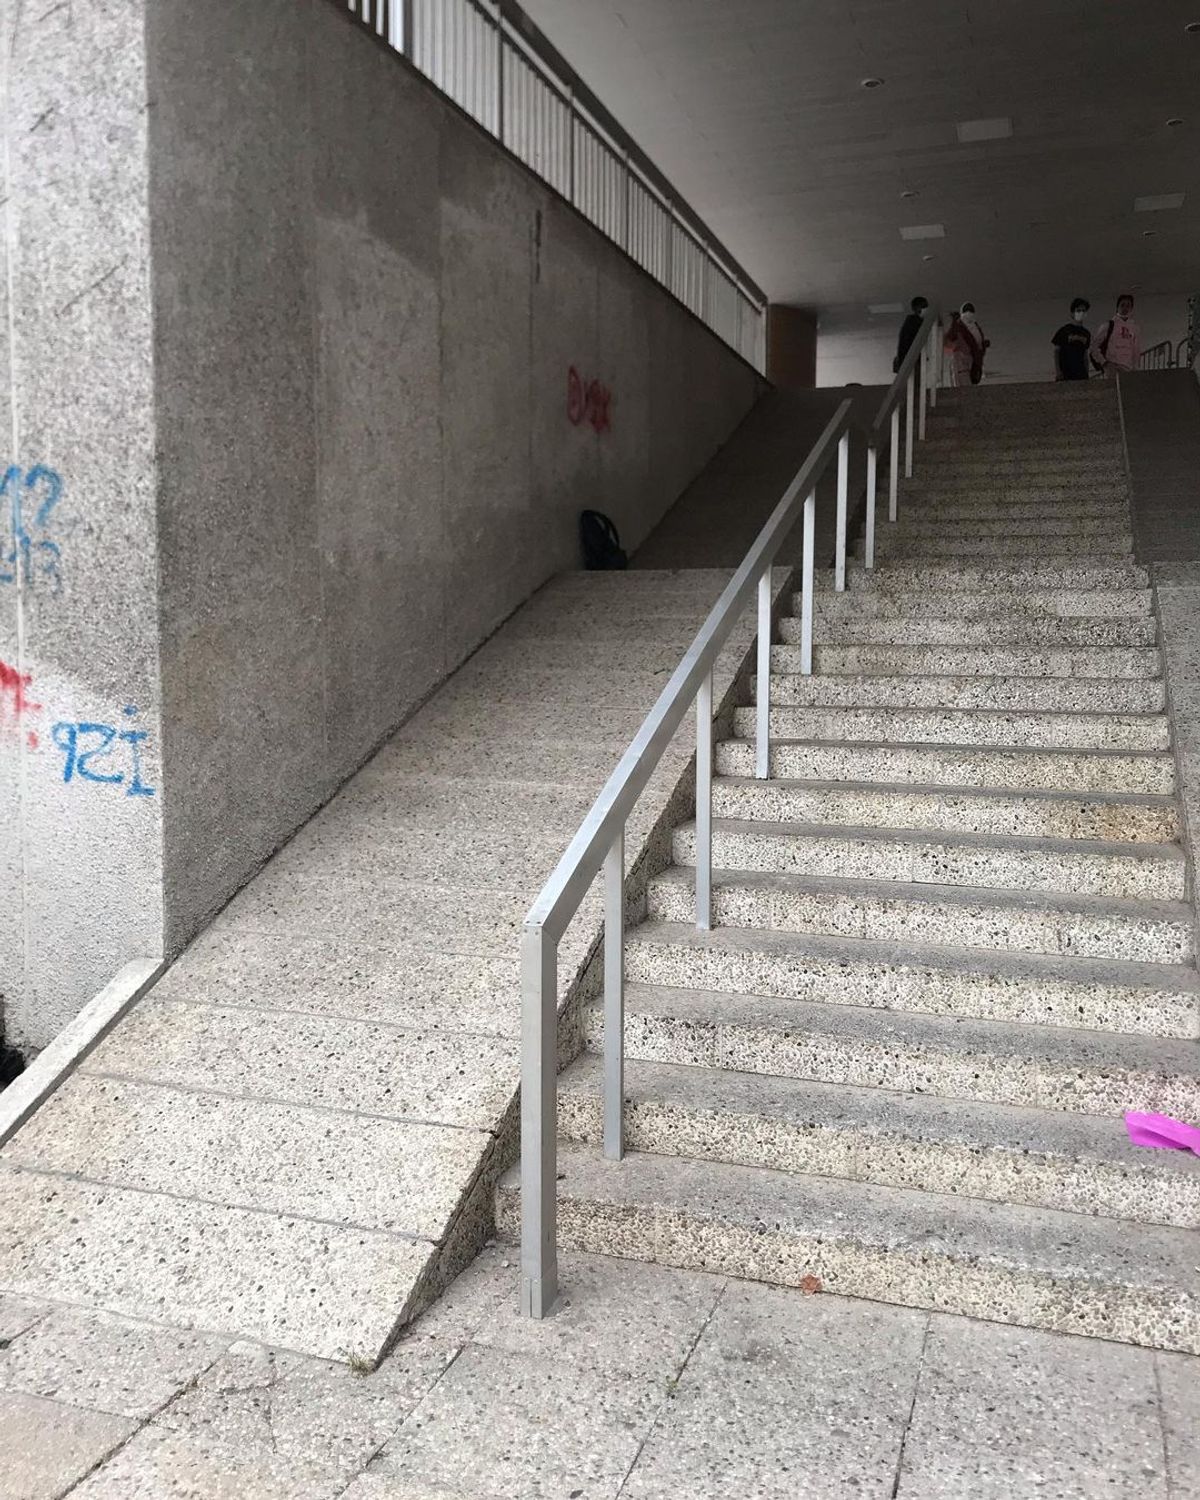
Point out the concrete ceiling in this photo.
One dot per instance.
(755, 110)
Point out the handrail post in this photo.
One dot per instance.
(872, 486)
(762, 691)
(704, 738)
(843, 490)
(806, 585)
(539, 1125)
(894, 471)
(924, 367)
(614, 1000)
(935, 363)
(908, 427)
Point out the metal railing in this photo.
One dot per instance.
(1159, 356)
(600, 841)
(499, 68)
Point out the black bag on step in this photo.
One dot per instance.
(601, 544)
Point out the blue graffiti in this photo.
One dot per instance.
(97, 753)
(30, 553)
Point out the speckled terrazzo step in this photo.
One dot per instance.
(1110, 522)
(1153, 872)
(1071, 574)
(924, 978)
(980, 603)
(1107, 816)
(1098, 549)
(949, 691)
(1026, 631)
(952, 1057)
(953, 766)
(1005, 515)
(1002, 1152)
(965, 727)
(889, 911)
(1034, 1267)
(1128, 663)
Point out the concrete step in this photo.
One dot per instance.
(1012, 694)
(926, 510)
(1029, 631)
(1000, 1152)
(1123, 663)
(1099, 445)
(956, 766)
(966, 727)
(893, 546)
(892, 912)
(1109, 522)
(942, 485)
(864, 600)
(984, 811)
(1081, 867)
(997, 1062)
(1033, 1267)
(1160, 1000)
(1051, 576)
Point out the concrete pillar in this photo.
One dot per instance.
(791, 347)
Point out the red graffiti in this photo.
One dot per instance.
(589, 401)
(14, 698)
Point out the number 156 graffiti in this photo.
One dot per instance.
(30, 553)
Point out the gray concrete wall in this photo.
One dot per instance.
(366, 316)
(80, 820)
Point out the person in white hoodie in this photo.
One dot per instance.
(1117, 345)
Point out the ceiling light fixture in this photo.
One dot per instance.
(1148, 234)
(1157, 203)
(1193, 27)
(910, 193)
(871, 83)
(970, 131)
(929, 257)
(923, 232)
(1174, 120)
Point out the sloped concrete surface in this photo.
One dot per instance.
(293, 1136)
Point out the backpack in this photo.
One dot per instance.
(601, 542)
(1104, 343)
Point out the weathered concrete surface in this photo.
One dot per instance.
(80, 840)
(647, 1383)
(295, 1136)
(363, 343)
(1162, 433)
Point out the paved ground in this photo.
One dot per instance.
(648, 1385)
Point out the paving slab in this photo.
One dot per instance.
(46, 1446)
(158, 1464)
(1006, 1412)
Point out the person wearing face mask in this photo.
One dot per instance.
(1119, 342)
(1071, 344)
(968, 348)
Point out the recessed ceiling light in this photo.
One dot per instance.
(910, 193)
(1157, 203)
(1192, 26)
(1174, 120)
(871, 83)
(923, 232)
(984, 130)
(877, 309)
(929, 257)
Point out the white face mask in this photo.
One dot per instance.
(1078, 314)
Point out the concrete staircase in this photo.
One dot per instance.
(953, 936)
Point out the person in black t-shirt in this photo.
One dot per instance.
(1071, 344)
(909, 330)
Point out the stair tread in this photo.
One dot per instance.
(1169, 853)
(998, 899)
(896, 1220)
(805, 1104)
(1059, 1049)
(951, 747)
(979, 794)
(1176, 979)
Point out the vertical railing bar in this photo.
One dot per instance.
(539, 1125)
(872, 486)
(935, 363)
(908, 427)
(806, 585)
(762, 733)
(924, 365)
(704, 739)
(843, 495)
(894, 472)
(614, 1000)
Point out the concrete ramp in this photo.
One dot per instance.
(296, 1135)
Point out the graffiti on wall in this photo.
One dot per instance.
(29, 551)
(92, 753)
(588, 401)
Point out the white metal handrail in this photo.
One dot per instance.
(600, 841)
(496, 65)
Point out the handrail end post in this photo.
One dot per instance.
(539, 1123)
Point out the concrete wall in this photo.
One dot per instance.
(366, 319)
(80, 819)
(1020, 335)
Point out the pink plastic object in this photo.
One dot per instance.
(1162, 1133)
